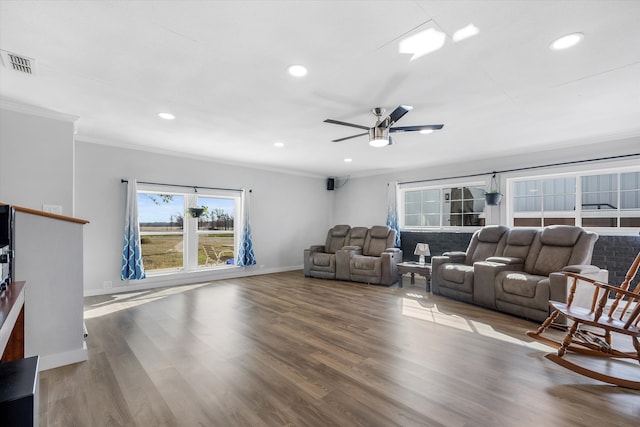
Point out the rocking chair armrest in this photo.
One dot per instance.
(581, 277)
(617, 290)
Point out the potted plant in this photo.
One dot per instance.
(197, 212)
(493, 196)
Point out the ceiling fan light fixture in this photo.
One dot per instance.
(378, 143)
(426, 131)
(379, 137)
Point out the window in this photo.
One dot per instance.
(543, 202)
(442, 206)
(611, 200)
(173, 240)
(603, 200)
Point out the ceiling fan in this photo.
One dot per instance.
(379, 133)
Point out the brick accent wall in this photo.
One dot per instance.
(614, 253)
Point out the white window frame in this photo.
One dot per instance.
(578, 214)
(190, 230)
(404, 188)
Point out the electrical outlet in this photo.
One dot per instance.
(108, 284)
(54, 209)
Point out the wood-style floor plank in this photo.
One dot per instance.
(285, 350)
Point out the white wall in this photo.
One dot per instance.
(363, 201)
(288, 212)
(36, 157)
(52, 270)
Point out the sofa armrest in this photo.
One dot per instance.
(507, 260)
(343, 256)
(484, 279)
(455, 256)
(391, 257)
(582, 269)
(316, 248)
(560, 284)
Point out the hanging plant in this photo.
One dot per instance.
(197, 212)
(492, 196)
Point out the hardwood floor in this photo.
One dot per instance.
(281, 349)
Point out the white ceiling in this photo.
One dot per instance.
(220, 67)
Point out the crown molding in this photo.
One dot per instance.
(20, 107)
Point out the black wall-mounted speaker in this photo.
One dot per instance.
(331, 184)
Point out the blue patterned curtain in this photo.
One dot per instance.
(132, 266)
(245, 251)
(392, 209)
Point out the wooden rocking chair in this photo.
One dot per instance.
(593, 329)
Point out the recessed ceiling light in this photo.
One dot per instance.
(567, 41)
(426, 131)
(347, 160)
(297, 70)
(466, 32)
(166, 116)
(278, 144)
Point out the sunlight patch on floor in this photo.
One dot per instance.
(127, 300)
(431, 313)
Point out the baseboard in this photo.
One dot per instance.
(61, 359)
(176, 279)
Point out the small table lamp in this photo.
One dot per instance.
(422, 249)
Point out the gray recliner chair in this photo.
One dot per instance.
(377, 264)
(320, 260)
(452, 273)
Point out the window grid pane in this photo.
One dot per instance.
(607, 200)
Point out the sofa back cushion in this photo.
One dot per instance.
(379, 238)
(519, 242)
(336, 238)
(557, 246)
(486, 242)
(356, 236)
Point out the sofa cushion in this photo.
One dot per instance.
(322, 262)
(550, 259)
(321, 259)
(489, 241)
(367, 266)
(357, 236)
(483, 250)
(336, 238)
(379, 232)
(491, 234)
(456, 272)
(521, 284)
(519, 242)
(376, 241)
(560, 235)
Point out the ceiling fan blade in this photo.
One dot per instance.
(397, 114)
(338, 122)
(415, 128)
(349, 137)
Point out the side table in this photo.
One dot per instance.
(415, 268)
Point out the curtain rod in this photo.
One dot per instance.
(195, 187)
(573, 162)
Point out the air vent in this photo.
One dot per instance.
(17, 62)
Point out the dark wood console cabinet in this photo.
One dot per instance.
(12, 322)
